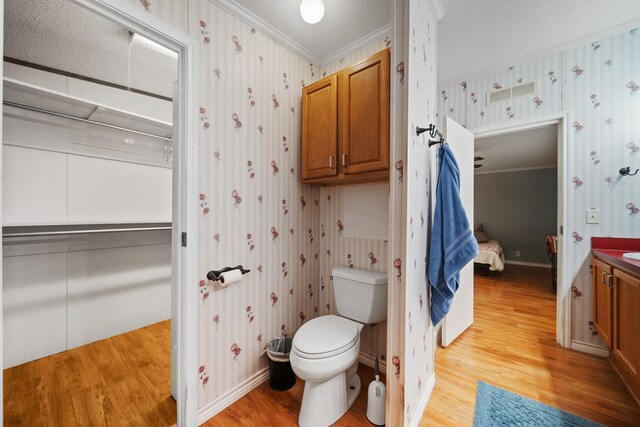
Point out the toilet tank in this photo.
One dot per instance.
(361, 295)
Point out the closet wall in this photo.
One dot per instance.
(62, 291)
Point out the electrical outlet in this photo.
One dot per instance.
(517, 253)
(593, 216)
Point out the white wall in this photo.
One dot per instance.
(64, 291)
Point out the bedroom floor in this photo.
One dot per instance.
(512, 345)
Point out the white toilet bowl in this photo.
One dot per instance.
(325, 355)
(325, 350)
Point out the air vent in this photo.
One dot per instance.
(523, 89)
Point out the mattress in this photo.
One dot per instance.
(490, 253)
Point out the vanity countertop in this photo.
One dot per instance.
(611, 250)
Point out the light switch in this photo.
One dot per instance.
(593, 216)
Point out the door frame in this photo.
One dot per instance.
(565, 196)
(184, 269)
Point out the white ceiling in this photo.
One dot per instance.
(473, 34)
(344, 22)
(62, 35)
(530, 149)
(478, 34)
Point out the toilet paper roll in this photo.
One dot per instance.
(230, 277)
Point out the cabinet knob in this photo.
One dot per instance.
(344, 160)
(330, 162)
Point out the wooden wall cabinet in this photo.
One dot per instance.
(345, 125)
(617, 318)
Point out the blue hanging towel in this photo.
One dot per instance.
(452, 242)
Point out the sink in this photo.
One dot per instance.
(632, 255)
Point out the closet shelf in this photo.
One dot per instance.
(20, 94)
(65, 229)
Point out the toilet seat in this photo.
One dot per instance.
(326, 336)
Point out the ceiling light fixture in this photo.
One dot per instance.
(144, 43)
(312, 11)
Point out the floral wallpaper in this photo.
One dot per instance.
(257, 212)
(599, 84)
(419, 171)
(171, 12)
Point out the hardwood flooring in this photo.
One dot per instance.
(123, 380)
(512, 345)
(266, 407)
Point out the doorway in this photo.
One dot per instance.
(547, 127)
(178, 147)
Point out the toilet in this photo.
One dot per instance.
(325, 350)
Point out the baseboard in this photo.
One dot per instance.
(369, 360)
(213, 408)
(528, 264)
(423, 402)
(584, 347)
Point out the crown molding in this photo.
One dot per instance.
(438, 9)
(267, 29)
(251, 19)
(373, 36)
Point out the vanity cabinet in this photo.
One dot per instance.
(616, 317)
(625, 354)
(345, 125)
(603, 300)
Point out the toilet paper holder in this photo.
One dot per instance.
(214, 275)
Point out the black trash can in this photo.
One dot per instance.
(281, 376)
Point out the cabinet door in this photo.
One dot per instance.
(364, 102)
(320, 128)
(626, 327)
(602, 300)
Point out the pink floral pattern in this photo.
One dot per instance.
(146, 4)
(204, 33)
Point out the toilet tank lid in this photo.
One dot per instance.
(372, 277)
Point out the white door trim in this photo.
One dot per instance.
(185, 191)
(1, 219)
(565, 144)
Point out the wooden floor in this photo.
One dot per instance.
(512, 345)
(123, 380)
(266, 407)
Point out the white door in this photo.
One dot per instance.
(460, 316)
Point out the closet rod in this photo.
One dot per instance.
(59, 233)
(79, 119)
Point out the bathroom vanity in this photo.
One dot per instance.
(616, 304)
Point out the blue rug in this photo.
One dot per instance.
(498, 407)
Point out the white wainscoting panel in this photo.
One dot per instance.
(34, 188)
(34, 307)
(112, 291)
(111, 191)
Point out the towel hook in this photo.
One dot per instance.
(431, 129)
(627, 171)
(433, 132)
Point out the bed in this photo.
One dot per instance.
(490, 252)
